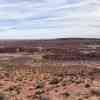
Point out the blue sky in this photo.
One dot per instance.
(39, 19)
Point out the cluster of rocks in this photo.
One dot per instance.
(50, 86)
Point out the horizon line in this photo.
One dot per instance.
(48, 38)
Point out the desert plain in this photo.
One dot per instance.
(55, 69)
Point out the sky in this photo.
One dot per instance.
(44, 19)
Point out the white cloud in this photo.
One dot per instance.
(49, 18)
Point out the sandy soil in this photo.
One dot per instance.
(59, 69)
(48, 81)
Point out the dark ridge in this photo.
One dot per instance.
(49, 42)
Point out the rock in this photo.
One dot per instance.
(44, 97)
(95, 91)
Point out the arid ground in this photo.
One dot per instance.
(59, 69)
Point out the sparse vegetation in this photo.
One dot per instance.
(87, 85)
(2, 96)
(50, 71)
(40, 84)
(95, 91)
(66, 94)
(55, 80)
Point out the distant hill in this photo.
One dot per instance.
(50, 43)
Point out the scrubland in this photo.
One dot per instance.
(63, 69)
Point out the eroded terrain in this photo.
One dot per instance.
(50, 70)
(77, 82)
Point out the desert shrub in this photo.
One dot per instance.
(80, 99)
(66, 94)
(95, 91)
(8, 67)
(55, 80)
(44, 97)
(39, 91)
(87, 85)
(39, 84)
(19, 78)
(13, 90)
(42, 61)
(38, 59)
(2, 96)
(96, 70)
